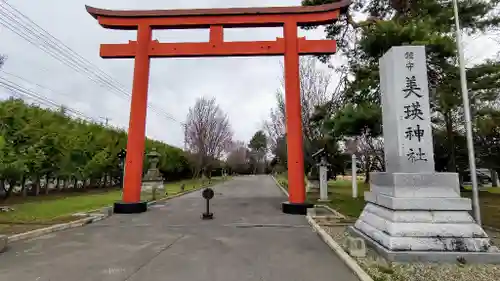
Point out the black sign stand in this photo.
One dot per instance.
(208, 194)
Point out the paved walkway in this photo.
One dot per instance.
(249, 239)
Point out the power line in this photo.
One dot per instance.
(19, 90)
(26, 28)
(55, 46)
(39, 86)
(48, 47)
(36, 84)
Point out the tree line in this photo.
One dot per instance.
(350, 112)
(44, 150)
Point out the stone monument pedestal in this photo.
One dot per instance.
(414, 213)
(152, 180)
(148, 185)
(416, 217)
(420, 212)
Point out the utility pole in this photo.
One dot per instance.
(468, 123)
(62, 110)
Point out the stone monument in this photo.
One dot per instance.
(352, 148)
(323, 179)
(412, 212)
(152, 179)
(323, 174)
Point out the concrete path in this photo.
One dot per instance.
(249, 239)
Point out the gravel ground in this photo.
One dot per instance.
(381, 270)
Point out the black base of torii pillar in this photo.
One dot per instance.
(295, 208)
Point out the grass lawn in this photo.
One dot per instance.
(488, 189)
(58, 209)
(490, 207)
(343, 202)
(282, 180)
(340, 194)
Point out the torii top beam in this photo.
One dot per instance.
(228, 17)
(216, 20)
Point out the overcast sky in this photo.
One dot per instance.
(244, 87)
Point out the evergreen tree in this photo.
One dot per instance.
(406, 22)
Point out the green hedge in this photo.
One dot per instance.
(39, 143)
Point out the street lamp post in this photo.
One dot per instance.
(468, 125)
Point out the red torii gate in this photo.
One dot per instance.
(291, 46)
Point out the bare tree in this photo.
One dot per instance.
(371, 151)
(207, 134)
(275, 127)
(314, 91)
(238, 157)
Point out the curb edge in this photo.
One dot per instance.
(348, 260)
(54, 228)
(279, 186)
(331, 210)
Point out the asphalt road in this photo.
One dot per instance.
(249, 239)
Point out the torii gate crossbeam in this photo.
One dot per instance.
(144, 48)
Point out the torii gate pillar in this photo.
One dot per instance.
(142, 50)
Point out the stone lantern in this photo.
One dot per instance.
(153, 158)
(152, 179)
